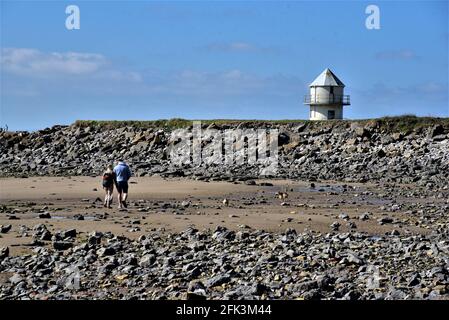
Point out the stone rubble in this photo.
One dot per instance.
(343, 151)
(223, 264)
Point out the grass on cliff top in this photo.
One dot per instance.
(170, 123)
(397, 123)
(410, 122)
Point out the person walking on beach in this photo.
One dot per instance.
(108, 186)
(122, 175)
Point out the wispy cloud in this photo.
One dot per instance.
(35, 63)
(427, 92)
(24, 61)
(397, 55)
(225, 84)
(171, 10)
(240, 47)
(49, 74)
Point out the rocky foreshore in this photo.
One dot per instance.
(405, 159)
(398, 150)
(224, 264)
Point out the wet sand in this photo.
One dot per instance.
(176, 204)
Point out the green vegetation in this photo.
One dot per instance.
(410, 122)
(171, 123)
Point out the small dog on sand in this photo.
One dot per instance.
(281, 195)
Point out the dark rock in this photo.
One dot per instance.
(265, 184)
(258, 289)
(385, 220)
(381, 153)
(362, 132)
(78, 217)
(62, 245)
(217, 281)
(194, 296)
(4, 253)
(5, 229)
(283, 138)
(335, 226)
(106, 251)
(364, 216)
(147, 260)
(71, 233)
(436, 130)
(45, 215)
(45, 235)
(395, 232)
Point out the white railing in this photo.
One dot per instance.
(327, 99)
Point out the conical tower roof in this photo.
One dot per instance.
(327, 78)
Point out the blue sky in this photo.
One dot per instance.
(217, 59)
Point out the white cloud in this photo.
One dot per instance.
(432, 88)
(396, 55)
(35, 63)
(233, 74)
(90, 73)
(239, 47)
(226, 83)
(427, 92)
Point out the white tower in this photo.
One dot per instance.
(326, 98)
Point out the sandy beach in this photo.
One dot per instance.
(175, 204)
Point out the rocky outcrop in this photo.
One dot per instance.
(353, 151)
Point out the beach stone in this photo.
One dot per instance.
(71, 233)
(385, 220)
(41, 232)
(395, 232)
(147, 260)
(352, 225)
(185, 204)
(4, 252)
(15, 279)
(257, 289)
(217, 281)
(5, 229)
(195, 285)
(107, 268)
(364, 216)
(45, 235)
(45, 215)
(62, 245)
(94, 238)
(195, 296)
(105, 251)
(335, 226)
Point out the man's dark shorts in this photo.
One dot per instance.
(122, 186)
